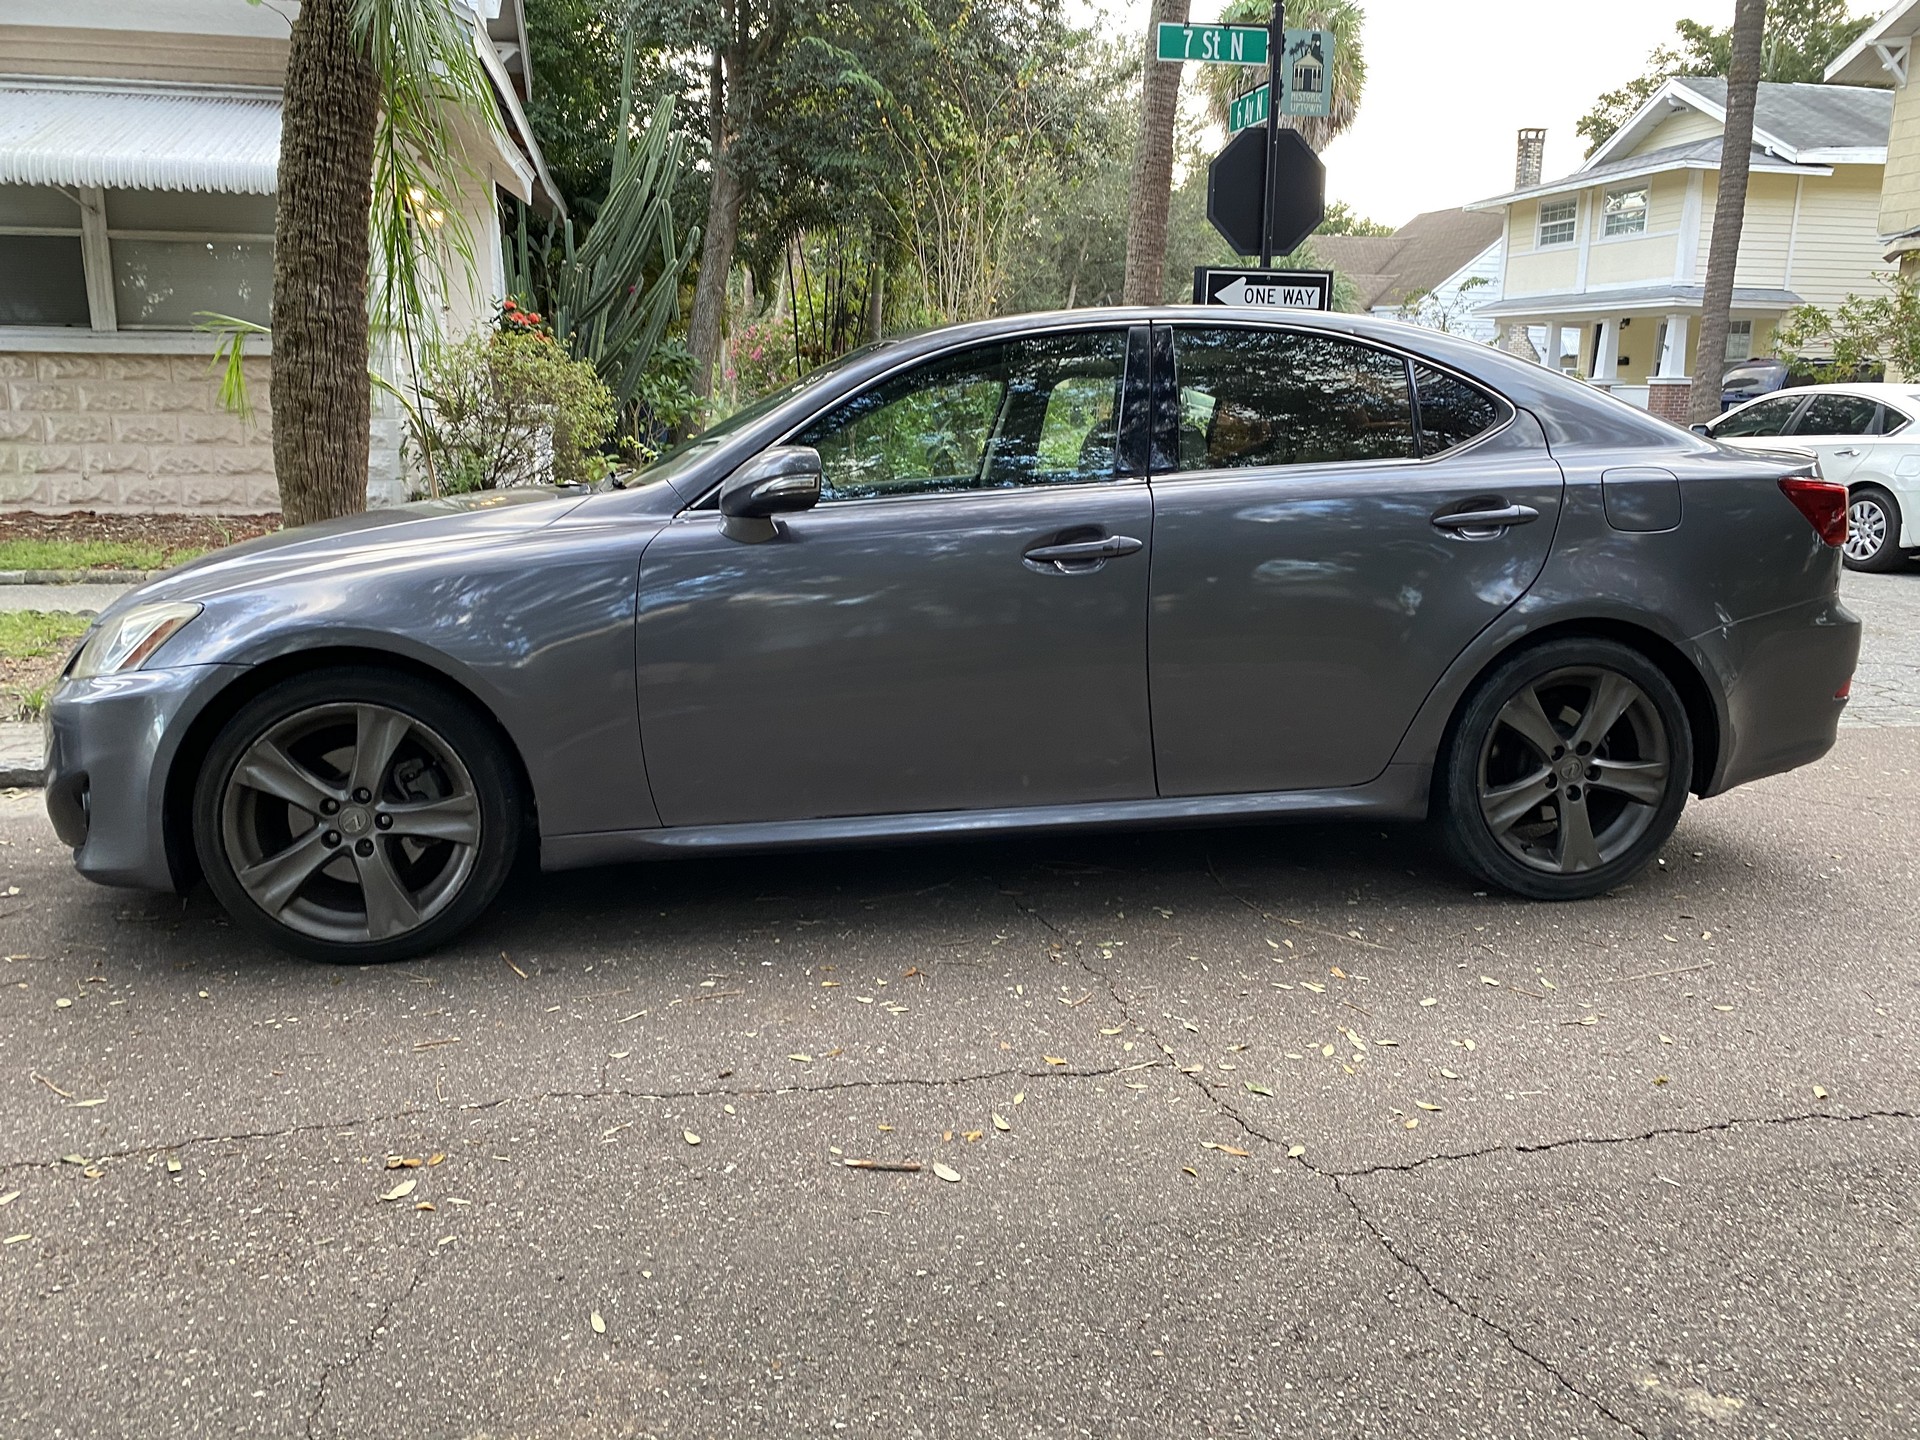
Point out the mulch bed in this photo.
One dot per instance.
(173, 532)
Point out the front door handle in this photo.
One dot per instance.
(1487, 520)
(1848, 451)
(1083, 554)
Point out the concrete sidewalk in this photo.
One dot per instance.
(86, 599)
(22, 754)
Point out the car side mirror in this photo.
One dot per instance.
(1700, 428)
(779, 481)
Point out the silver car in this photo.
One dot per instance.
(1101, 568)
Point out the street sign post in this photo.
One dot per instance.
(1264, 289)
(1237, 185)
(1219, 44)
(1306, 65)
(1246, 111)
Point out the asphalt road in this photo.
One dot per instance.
(1265, 1132)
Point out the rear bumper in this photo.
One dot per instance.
(1779, 675)
(111, 743)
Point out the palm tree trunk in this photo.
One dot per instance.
(1729, 209)
(321, 396)
(721, 236)
(1151, 193)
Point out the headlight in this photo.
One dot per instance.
(128, 641)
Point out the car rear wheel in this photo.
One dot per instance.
(1873, 530)
(355, 815)
(1567, 771)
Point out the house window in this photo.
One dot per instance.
(133, 259)
(1556, 220)
(1626, 210)
(40, 256)
(1739, 341)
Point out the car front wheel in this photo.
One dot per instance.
(356, 815)
(1873, 530)
(1567, 771)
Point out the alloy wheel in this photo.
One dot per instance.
(1867, 526)
(351, 822)
(1573, 770)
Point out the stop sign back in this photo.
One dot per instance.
(1237, 182)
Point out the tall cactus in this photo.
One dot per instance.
(611, 296)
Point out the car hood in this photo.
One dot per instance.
(369, 539)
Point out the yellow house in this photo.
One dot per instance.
(1612, 258)
(1881, 57)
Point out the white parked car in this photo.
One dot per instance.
(1865, 436)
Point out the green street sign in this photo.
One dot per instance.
(1223, 44)
(1306, 73)
(1247, 110)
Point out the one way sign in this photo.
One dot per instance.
(1264, 289)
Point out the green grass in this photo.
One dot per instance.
(29, 634)
(89, 555)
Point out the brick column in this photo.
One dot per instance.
(1667, 397)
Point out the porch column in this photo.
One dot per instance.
(1556, 332)
(1668, 387)
(1606, 369)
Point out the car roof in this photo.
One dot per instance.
(1886, 391)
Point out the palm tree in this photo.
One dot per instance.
(1223, 84)
(374, 91)
(1729, 209)
(1150, 194)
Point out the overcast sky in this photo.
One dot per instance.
(1449, 84)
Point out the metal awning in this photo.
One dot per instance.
(157, 137)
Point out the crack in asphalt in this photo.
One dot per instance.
(365, 1349)
(1708, 1127)
(724, 1092)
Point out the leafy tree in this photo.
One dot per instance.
(1342, 219)
(1730, 206)
(1863, 332)
(369, 115)
(1801, 38)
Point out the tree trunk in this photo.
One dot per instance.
(321, 395)
(721, 236)
(1151, 192)
(1729, 209)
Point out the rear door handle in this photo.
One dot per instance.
(1487, 519)
(1848, 451)
(1084, 552)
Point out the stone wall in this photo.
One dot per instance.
(120, 432)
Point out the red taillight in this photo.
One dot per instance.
(1845, 691)
(1824, 503)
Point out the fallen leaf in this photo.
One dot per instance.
(1254, 1087)
(9, 1197)
(801, 1059)
(1430, 1000)
(1337, 973)
(15, 1239)
(438, 1157)
(1411, 1124)
(1426, 1105)
(946, 1173)
(1666, 1039)
(1053, 1059)
(690, 1137)
(1187, 1168)
(1000, 1121)
(1819, 1093)
(1019, 1097)
(973, 1136)
(62, 1003)
(599, 1325)
(1233, 1150)
(1294, 1152)
(173, 1167)
(404, 1162)
(1660, 1079)
(1488, 980)
(1448, 1073)
(1326, 1050)
(423, 1205)
(1111, 1029)
(400, 1191)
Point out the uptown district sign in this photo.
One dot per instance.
(1221, 44)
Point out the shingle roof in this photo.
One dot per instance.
(1422, 253)
(1810, 117)
(147, 138)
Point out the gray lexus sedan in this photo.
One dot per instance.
(1098, 568)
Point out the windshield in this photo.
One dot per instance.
(695, 446)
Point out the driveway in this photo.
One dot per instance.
(1282, 1131)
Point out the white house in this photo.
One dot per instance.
(138, 146)
(1615, 253)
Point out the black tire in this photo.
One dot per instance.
(425, 843)
(1873, 531)
(1634, 773)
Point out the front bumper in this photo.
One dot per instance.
(111, 744)
(1781, 675)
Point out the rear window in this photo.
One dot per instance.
(1452, 412)
(1831, 414)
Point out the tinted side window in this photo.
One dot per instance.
(1041, 411)
(1452, 412)
(1764, 417)
(1276, 397)
(1836, 415)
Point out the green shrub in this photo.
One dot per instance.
(508, 407)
